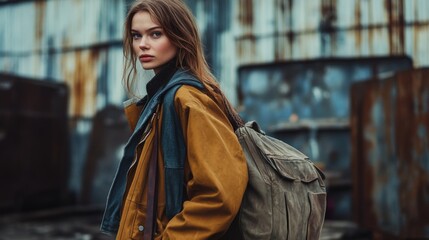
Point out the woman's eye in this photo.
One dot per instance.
(135, 36)
(156, 34)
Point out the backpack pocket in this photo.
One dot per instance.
(298, 182)
(304, 219)
(317, 214)
(294, 169)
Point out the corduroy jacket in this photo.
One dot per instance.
(215, 172)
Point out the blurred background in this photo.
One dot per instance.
(344, 81)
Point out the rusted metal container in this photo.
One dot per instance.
(306, 104)
(390, 154)
(34, 148)
(110, 132)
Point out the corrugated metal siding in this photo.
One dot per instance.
(277, 30)
(60, 24)
(390, 146)
(235, 33)
(323, 28)
(215, 22)
(78, 42)
(265, 31)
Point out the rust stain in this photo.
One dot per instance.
(419, 29)
(245, 15)
(366, 130)
(246, 47)
(405, 150)
(283, 48)
(412, 149)
(395, 13)
(329, 14)
(79, 72)
(40, 6)
(370, 34)
(328, 10)
(358, 24)
(291, 38)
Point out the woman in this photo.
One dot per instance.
(201, 200)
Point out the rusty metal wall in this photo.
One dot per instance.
(306, 104)
(247, 32)
(80, 41)
(296, 29)
(284, 94)
(77, 42)
(390, 154)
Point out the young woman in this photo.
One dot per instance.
(200, 199)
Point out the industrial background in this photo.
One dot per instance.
(344, 81)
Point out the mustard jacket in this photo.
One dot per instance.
(215, 173)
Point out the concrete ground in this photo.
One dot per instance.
(82, 223)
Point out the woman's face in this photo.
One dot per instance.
(150, 44)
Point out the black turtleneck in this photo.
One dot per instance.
(159, 80)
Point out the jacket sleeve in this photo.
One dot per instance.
(217, 175)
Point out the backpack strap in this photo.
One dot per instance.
(174, 150)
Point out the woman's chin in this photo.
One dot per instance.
(147, 68)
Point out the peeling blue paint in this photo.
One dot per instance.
(312, 90)
(385, 168)
(423, 157)
(395, 150)
(392, 141)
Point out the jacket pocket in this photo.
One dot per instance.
(137, 227)
(138, 224)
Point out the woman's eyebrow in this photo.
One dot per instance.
(149, 29)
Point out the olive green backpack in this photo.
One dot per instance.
(285, 197)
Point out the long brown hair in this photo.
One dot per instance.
(180, 28)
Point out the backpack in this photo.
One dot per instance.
(285, 197)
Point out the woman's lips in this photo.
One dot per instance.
(145, 58)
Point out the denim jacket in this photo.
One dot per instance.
(111, 217)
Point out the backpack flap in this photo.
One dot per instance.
(255, 126)
(294, 169)
(287, 161)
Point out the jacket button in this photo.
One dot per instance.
(141, 228)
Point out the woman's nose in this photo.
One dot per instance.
(143, 43)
